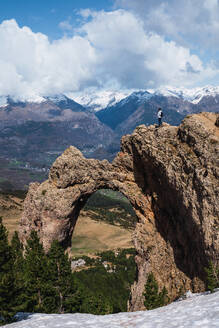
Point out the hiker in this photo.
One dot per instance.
(159, 116)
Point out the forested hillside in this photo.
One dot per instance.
(38, 282)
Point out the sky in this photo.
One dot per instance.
(61, 46)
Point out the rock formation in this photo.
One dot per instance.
(170, 176)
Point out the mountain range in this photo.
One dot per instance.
(94, 122)
(48, 126)
(98, 100)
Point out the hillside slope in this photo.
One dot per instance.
(27, 129)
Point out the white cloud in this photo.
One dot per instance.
(66, 25)
(111, 49)
(30, 64)
(134, 57)
(193, 23)
(211, 4)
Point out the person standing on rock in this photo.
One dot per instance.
(159, 116)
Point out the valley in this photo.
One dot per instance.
(95, 230)
(34, 133)
(17, 174)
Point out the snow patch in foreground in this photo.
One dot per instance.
(200, 311)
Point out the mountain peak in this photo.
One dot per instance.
(60, 100)
(193, 95)
(97, 100)
(57, 98)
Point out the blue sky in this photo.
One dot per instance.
(45, 15)
(61, 46)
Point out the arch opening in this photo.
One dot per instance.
(102, 250)
(106, 219)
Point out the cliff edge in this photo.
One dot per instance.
(170, 176)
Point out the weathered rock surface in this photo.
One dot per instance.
(170, 176)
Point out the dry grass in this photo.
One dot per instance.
(94, 236)
(89, 236)
(10, 211)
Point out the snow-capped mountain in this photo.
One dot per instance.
(140, 107)
(97, 100)
(194, 95)
(195, 311)
(137, 96)
(60, 100)
(49, 125)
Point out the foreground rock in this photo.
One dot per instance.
(170, 176)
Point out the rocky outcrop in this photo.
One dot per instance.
(170, 176)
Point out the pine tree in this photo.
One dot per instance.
(96, 304)
(151, 292)
(163, 296)
(67, 297)
(7, 281)
(17, 250)
(212, 276)
(154, 298)
(18, 266)
(35, 275)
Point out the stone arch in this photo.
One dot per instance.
(169, 175)
(54, 205)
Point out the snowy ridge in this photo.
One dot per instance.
(36, 99)
(33, 98)
(139, 96)
(56, 98)
(194, 95)
(201, 311)
(5, 100)
(99, 99)
(103, 99)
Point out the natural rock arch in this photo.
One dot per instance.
(169, 175)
